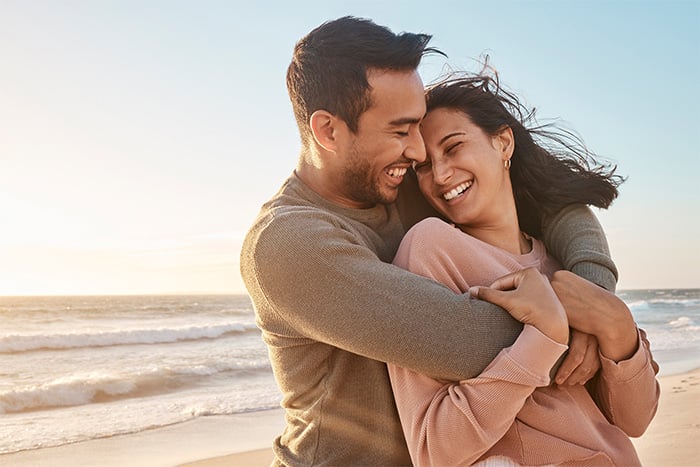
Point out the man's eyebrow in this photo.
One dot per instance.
(404, 121)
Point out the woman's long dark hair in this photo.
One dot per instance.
(550, 168)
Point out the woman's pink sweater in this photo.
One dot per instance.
(511, 410)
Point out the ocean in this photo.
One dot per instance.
(78, 368)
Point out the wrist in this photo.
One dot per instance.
(618, 346)
(614, 321)
(558, 332)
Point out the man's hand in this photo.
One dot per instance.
(581, 362)
(594, 310)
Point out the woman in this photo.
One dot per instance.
(489, 177)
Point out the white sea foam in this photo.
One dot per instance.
(74, 424)
(663, 302)
(86, 388)
(79, 368)
(69, 391)
(27, 342)
(683, 322)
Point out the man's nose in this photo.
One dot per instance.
(415, 149)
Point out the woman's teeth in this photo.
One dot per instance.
(455, 192)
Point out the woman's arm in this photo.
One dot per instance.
(626, 389)
(474, 414)
(447, 423)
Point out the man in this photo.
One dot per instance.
(316, 262)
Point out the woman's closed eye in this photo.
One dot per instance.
(450, 149)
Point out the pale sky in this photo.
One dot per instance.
(138, 139)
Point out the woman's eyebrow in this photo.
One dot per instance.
(450, 135)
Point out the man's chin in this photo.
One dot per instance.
(389, 196)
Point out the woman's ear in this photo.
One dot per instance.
(324, 126)
(505, 142)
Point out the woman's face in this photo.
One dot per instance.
(464, 176)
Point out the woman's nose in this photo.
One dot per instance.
(442, 171)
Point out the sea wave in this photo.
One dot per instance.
(29, 342)
(679, 333)
(684, 322)
(95, 387)
(660, 302)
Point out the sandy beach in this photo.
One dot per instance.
(244, 440)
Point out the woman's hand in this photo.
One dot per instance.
(594, 310)
(529, 298)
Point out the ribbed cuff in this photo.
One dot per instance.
(625, 370)
(536, 354)
(596, 273)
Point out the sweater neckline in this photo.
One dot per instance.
(537, 251)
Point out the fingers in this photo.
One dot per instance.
(494, 292)
(588, 367)
(574, 358)
(582, 360)
(497, 297)
(528, 297)
(513, 280)
(508, 282)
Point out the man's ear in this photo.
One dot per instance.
(505, 142)
(324, 126)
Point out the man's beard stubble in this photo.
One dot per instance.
(360, 184)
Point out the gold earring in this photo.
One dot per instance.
(506, 164)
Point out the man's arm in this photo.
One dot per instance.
(575, 237)
(321, 284)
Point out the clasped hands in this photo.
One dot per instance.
(600, 323)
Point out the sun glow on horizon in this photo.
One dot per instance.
(139, 139)
(197, 266)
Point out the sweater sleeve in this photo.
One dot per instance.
(323, 283)
(575, 237)
(475, 413)
(627, 392)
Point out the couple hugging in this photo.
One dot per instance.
(430, 282)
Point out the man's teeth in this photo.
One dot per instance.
(455, 192)
(397, 171)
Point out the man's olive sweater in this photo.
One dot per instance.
(333, 309)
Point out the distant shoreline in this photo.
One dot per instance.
(241, 294)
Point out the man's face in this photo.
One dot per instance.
(388, 140)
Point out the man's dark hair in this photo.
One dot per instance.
(330, 64)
